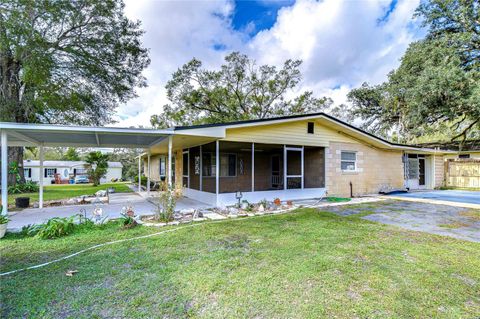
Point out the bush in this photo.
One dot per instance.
(54, 228)
(166, 203)
(144, 180)
(27, 187)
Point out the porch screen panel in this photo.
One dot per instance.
(314, 167)
(294, 169)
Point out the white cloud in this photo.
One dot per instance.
(342, 43)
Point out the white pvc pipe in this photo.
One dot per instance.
(217, 167)
(4, 157)
(253, 167)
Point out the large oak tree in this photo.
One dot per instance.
(64, 61)
(239, 90)
(437, 86)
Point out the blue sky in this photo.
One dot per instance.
(259, 15)
(342, 43)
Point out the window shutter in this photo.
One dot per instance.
(44, 172)
(75, 171)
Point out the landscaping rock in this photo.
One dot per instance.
(101, 193)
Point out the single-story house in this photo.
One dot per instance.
(66, 170)
(290, 157)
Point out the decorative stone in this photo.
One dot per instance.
(233, 211)
(101, 193)
(36, 205)
(261, 208)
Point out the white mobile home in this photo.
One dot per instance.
(66, 169)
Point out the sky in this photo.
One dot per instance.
(342, 43)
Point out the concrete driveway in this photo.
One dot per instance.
(456, 196)
(113, 209)
(459, 222)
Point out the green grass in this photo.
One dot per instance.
(64, 191)
(337, 199)
(306, 264)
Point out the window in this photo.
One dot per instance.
(79, 171)
(464, 156)
(348, 161)
(163, 170)
(27, 172)
(209, 164)
(310, 127)
(50, 172)
(185, 164)
(228, 165)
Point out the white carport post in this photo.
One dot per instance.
(217, 167)
(148, 174)
(169, 173)
(42, 174)
(139, 174)
(4, 157)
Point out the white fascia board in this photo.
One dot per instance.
(90, 129)
(214, 131)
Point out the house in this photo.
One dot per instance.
(66, 169)
(291, 157)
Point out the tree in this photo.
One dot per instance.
(239, 90)
(71, 155)
(129, 159)
(97, 166)
(67, 62)
(437, 86)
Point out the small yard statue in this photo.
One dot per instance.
(97, 216)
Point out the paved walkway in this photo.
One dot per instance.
(462, 198)
(113, 209)
(458, 222)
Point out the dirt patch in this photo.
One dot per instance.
(471, 214)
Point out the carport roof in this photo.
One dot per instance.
(21, 134)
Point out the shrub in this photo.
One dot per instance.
(55, 227)
(128, 221)
(144, 180)
(27, 187)
(166, 203)
(4, 219)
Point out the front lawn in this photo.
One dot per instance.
(64, 191)
(306, 264)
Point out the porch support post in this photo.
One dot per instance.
(42, 174)
(139, 173)
(303, 166)
(169, 173)
(148, 174)
(217, 167)
(284, 167)
(201, 169)
(4, 158)
(188, 168)
(253, 167)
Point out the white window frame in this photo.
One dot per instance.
(164, 159)
(47, 172)
(349, 161)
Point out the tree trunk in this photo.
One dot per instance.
(15, 154)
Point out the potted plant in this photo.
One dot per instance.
(3, 224)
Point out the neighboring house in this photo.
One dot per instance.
(292, 157)
(466, 149)
(66, 169)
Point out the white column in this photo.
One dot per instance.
(201, 169)
(284, 167)
(188, 168)
(169, 173)
(139, 173)
(4, 164)
(42, 174)
(148, 174)
(253, 167)
(217, 167)
(303, 165)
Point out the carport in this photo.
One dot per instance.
(44, 135)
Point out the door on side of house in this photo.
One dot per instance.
(421, 172)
